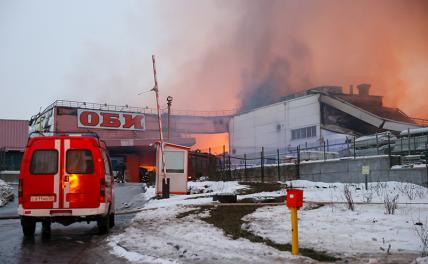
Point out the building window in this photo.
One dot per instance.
(306, 132)
(174, 161)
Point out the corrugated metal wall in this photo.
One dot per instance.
(13, 134)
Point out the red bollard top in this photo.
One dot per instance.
(294, 198)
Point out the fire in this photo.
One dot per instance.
(148, 167)
(213, 141)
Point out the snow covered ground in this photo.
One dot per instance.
(6, 193)
(337, 230)
(375, 193)
(157, 235)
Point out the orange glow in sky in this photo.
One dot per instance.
(213, 141)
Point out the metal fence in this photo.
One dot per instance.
(236, 166)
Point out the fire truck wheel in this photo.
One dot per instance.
(104, 224)
(111, 220)
(28, 226)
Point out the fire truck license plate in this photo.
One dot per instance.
(42, 198)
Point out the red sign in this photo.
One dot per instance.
(110, 120)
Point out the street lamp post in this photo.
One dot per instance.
(169, 102)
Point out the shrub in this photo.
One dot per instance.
(348, 196)
(390, 203)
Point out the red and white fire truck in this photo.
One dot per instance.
(65, 179)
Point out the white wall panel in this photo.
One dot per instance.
(271, 126)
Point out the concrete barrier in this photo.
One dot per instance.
(347, 170)
(9, 176)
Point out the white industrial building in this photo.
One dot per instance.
(313, 117)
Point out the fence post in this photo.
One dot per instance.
(298, 163)
(197, 163)
(323, 144)
(262, 161)
(209, 164)
(279, 168)
(377, 144)
(230, 169)
(408, 139)
(245, 167)
(389, 149)
(223, 169)
(347, 144)
(355, 153)
(414, 144)
(426, 142)
(328, 146)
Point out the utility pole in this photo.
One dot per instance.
(165, 181)
(169, 102)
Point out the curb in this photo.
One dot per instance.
(8, 217)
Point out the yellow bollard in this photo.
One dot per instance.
(294, 202)
(294, 232)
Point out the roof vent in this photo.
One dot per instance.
(363, 89)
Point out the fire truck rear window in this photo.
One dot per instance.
(44, 162)
(79, 161)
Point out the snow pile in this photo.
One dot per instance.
(214, 187)
(158, 236)
(200, 193)
(263, 195)
(6, 193)
(210, 188)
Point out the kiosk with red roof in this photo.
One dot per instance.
(176, 168)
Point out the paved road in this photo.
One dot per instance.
(77, 243)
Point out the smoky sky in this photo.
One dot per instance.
(218, 55)
(270, 75)
(261, 50)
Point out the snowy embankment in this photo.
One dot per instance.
(6, 193)
(335, 229)
(157, 235)
(165, 233)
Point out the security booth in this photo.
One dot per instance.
(176, 168)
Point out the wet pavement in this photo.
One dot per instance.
(77, 243)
